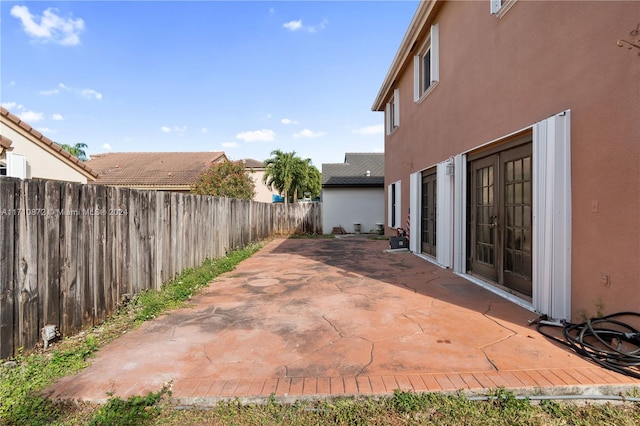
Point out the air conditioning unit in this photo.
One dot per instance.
(399, 243)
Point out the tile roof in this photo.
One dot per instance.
(5, 143)
(152, 168)
(251, 163)
(51, 145)
(353, 172)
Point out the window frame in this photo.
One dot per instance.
(394, 204)
(392, 112)
(431, 46)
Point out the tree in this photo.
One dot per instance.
(313, 181)
(227, 179)
(76, 150)
(291, 175)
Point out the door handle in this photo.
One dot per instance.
(494, 222)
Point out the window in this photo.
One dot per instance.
(394, 205)
(426, 65)
(392, 112)
(3, 168)
(500, 7)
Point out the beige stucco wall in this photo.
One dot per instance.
(41, 164)
(263, 194)
(501, 75)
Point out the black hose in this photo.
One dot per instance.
(607, 341)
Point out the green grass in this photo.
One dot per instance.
(407, 408)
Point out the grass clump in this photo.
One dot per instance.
(134, 411)
(20, 383)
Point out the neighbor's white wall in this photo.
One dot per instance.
(41, 164)
(263, 194)
(345, 207)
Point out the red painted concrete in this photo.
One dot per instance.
(308, 318)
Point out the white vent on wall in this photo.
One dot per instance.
(16, 165)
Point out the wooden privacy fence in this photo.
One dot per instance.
(69, 252)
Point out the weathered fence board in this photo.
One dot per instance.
(71, 252)
(8, 188)
(50, 290)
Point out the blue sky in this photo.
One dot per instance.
(244, 77)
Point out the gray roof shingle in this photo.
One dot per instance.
(353, 172)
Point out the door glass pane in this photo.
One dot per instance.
(517, 240)
(428, 214)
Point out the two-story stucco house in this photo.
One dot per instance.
(513, 142)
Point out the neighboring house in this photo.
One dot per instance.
(256, 170)
(27, 154)
(167, 171)
(353, 193)
(161, 171)
(512, 138)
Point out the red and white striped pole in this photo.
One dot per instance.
(408, 223)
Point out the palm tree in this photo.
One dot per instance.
(280, 171)
(76, 150)
(291, 175)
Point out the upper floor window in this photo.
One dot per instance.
(500, 7)
(426, 64)
(392, 112)
(3, 168)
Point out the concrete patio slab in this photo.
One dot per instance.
(309, 318)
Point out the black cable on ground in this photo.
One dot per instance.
(607, 341)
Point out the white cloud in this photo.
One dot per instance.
(378, 150)
(288, 121)
(177, 129)
(44, 130)
(106, 146)
(9, 105)
(90, 93)
(264, 135)
(306, 133)
(12, 83)
(57, 117)
(52, 27)
(376, 129)
(298, 25)
(293, 25)
(204, 130)
(315, 28)
(49, 92)
(230, 144)
(85, 93)
(31, 116)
